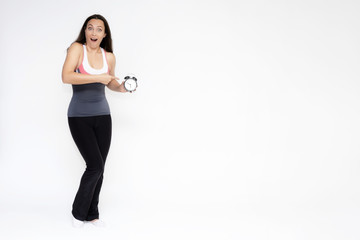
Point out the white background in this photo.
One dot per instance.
(245, 124)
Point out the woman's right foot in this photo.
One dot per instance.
(77, 223)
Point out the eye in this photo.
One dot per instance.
(99, 30)
(90, 28)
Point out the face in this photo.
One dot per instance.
(94, 32)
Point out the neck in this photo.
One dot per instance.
(91, 49)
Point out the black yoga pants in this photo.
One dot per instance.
(92, 136)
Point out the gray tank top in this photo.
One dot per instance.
(89, 99)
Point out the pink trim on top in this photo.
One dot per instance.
(81, 67)
(82, 70)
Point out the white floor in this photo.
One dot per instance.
(151, 221)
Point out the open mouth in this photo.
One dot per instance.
(93, 39)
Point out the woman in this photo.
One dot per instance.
(90, 66)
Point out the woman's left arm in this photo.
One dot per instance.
(114, 84)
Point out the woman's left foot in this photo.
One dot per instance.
(98, 223)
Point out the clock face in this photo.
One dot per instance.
(130, 84)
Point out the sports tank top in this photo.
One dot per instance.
(89, 99)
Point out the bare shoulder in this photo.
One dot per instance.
(111, 61)
(110, 57)
(75, 48)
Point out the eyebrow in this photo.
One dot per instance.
(92, 25)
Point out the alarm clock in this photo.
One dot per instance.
(130, 83)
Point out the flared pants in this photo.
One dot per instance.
(92, 136)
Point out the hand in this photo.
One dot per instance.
(106, 78)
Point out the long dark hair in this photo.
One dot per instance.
(106, 43)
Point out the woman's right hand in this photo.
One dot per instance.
(106, 78)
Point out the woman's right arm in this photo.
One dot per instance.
(71, 77)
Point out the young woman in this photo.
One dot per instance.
(90, 66)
